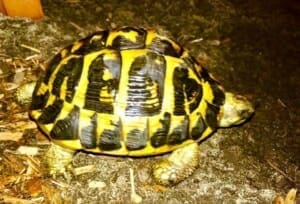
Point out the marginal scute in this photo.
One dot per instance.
(212, 115)
(51, 67)
(159, 137)
(180, 133)
(136, 139)
(125, 38)
(95, 41)
(165, 47)
(219, 96)
(110, 139)
(193, 64)
(39, 100)
(88, 135)
(199, 128)
(67, 128)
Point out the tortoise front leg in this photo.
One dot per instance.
(178, 166)
(58, 159)
(24, 93)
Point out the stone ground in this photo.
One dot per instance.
(252, 48)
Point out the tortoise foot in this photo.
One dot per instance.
(58, 159)
(178, 166)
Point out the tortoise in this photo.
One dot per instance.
(134, 92)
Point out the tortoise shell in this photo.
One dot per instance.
(128, 91)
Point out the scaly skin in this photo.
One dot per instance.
(178, 166)
(24, 93)
(235, 111)
(58, 159)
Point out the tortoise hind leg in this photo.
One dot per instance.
(178, 166)
(58, 159)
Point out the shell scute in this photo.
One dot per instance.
(136, 139)
(110, 139)
(127, 38)
(93, 42)
(88, 133)
(50, 113)
(159, 137)
(67, 128)
(179, 133)
(145, 85)
(198, 128)
(103, 81)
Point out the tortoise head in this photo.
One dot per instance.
(235, 111)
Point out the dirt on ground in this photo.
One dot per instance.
(251, 47)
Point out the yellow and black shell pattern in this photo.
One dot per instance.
(127, 91)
